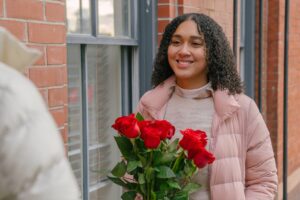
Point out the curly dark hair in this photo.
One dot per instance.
(222, 72)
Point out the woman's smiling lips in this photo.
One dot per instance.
(183, 63)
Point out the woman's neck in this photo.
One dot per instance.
(191, 84)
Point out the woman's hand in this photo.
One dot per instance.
(138, 197)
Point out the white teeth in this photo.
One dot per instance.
(184, 62)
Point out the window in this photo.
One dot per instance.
(247, 45)
(101, 56)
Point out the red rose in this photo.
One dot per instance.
(167, 129)
(151, 139)
(154, 131)
(193, 151)
(127, 126)
(192, 138)
(194, 141)
(150, 134)
(202, 158)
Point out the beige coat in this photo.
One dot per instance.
(33, 164)
(245, 166)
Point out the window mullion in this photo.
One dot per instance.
(126, 81)
(94, 17)
(85, 127)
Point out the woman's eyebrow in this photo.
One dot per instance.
(176, 36)
(194, 37)
(197, 37)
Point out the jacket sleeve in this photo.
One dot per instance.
(261, 173)
(33, 164)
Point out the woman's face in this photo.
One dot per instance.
(187, 56)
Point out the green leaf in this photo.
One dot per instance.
(191, 187)
(130, 195)
(119, 170)
(181, 196)
(132, 165)
(117, 181)
(173, 146)
(142, 189)
(141, 179)
(189, 168)
(156, 157)
(153, 195)
(173, 184)
(164, 158)
(125, 146)
(161, 196)
(132, 186)
(165, 172)
(142, 159)
(149, 174)
(164, 186)
(139, 117)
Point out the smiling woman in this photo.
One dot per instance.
(196, 85)
(187, 56)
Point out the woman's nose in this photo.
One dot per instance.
(184, 50)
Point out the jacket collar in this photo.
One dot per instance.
(156, 99)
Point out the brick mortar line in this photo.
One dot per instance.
(53, 108)
(176, 11)
(33, 21)
(49, 66)
(188, 6)
(55, 2)
(164, 18)
(47, 88)
(52, 87)
(57, 87)
(26, 33)
(3, 9)
(46, 45)
(167, 4)
(44, 10)
(61, 128)
(56, 108)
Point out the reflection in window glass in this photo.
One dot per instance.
(78, 16)
(113, 17)
(104, 105)
(74, 112)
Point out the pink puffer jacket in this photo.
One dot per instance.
(245, 166)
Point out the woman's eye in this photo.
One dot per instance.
(175, 42)
(196, 44)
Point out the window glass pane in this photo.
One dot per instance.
(104, 105)
(114, 17)
(78, 16)
(75, 108)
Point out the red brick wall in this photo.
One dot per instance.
(41, 25)
(264, 59)
(272, 80)
(275, 47)
(293, 87)
(221, 11)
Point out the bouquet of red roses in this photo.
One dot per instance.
(153, 165)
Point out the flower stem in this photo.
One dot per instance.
(177, 162)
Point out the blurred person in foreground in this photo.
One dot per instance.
(33, 165)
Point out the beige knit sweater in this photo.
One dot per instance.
(193, 109)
